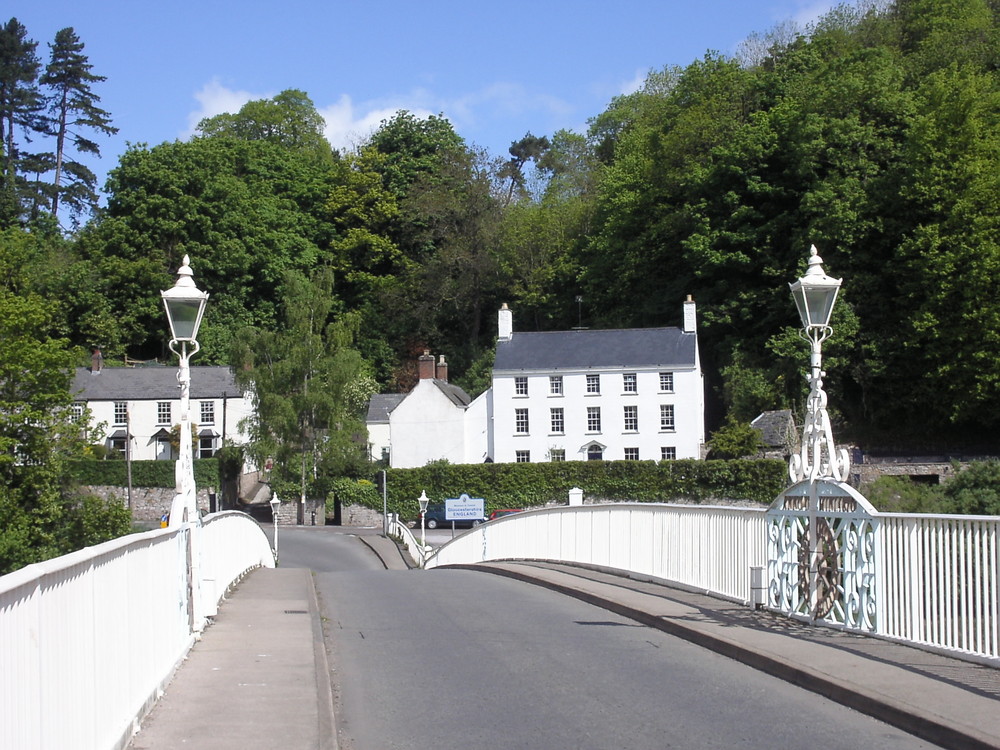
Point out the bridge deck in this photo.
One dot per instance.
(266, 647)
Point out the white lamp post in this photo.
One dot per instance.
(423, 500)
(275, 506)
(815, 294)
(185, 305)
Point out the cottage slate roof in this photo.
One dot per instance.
(584, 349)
(457, 396)
(151, 384)
(380, 406)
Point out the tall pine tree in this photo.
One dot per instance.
(20, 112)
(72, 110)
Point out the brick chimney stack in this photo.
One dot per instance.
(96, 362)
(425, 365)
(441, 373)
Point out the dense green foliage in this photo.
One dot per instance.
(973, 490)
(872, 134)
(533, 485)
(144, 473)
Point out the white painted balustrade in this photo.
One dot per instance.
(706, 547)
(936, 580)
(88, 640)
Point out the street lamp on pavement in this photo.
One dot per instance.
(423, 500)
(815, 294)
(185, 306)
(275, 506)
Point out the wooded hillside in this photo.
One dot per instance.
(873, 135)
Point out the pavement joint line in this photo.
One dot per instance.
(854, 696)
(324, 685)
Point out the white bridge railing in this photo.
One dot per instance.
(706, 547)
(938, 578)
(935, 585)
(88, 640)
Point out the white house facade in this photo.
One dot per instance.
(134, 409)
(626, 394)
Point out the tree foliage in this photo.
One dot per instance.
(308, 384)
(61, 107)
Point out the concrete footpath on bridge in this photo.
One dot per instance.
(259, 678)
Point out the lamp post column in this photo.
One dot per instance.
(185, 304)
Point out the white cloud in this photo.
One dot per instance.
(348, 125)
(810, 11)
(214, 99)
(635, 83)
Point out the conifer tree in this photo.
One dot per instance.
(20, 111)
(72, 110)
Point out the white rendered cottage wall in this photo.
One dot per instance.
(379, 440)
(426, 426)
(144, 422)
(683, 440)
(478, 417)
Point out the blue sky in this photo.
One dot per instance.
(495, 70)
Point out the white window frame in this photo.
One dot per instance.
(207, 412)
(520, 386)
(668, 453)
(593, 419)
(666, 382)
(593, 384)
(631, 454)
(668, 418)
(164, 412)
(522, 457)
(630, 382)
(557, 420)
(520, 421)
(631, 418)
(555, 385)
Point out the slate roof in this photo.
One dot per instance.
(583, 349)
(775, 427)
(457, 396)
(151, 384)
(380, 406)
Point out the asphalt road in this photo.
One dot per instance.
(454, 659)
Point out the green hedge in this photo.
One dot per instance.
(532, 485)
(144, 473)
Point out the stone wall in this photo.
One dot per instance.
(148, 503)
(930, 471)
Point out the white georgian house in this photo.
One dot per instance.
(134, 408)
(626, 394)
